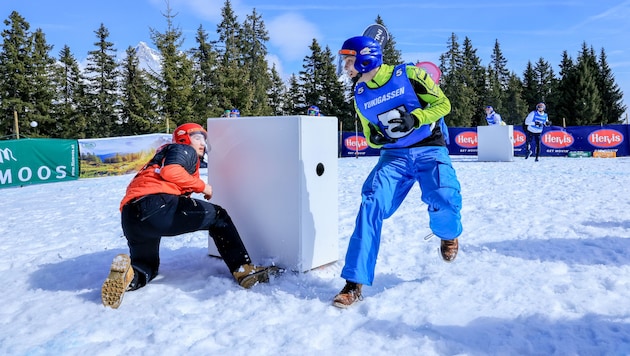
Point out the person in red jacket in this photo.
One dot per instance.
(158, 203)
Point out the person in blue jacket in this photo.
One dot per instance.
(492, 117)
(401, 111)
(534, 123)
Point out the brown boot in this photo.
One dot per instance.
(116, 283)
(249, 275)
(448, 249)
(348, 295)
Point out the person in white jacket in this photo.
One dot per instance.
(534, 123)
(492, 117)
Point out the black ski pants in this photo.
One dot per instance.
(533, 137)
(147, 219)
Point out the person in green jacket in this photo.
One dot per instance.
(401, 111)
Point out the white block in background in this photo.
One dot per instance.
(495, 143)
(277, 178)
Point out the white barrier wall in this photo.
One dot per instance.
(277, 178)
(495, 143)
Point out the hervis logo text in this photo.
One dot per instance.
(466, 139)
(519, 138)
(356, 143)
(557, 139)
(605, 138)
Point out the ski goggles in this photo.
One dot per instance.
(198, 137)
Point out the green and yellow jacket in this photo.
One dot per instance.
(404, 88)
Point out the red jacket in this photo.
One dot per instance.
(173, 170)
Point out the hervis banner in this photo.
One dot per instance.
(38, 160)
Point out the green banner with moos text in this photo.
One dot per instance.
(38, 160)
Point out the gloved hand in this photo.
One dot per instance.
(406, 122)
(377, 138)
(548, 123)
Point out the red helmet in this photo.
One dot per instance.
(182, 133)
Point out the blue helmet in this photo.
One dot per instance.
(368, 52)
(312, 111)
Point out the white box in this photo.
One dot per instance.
(277, 178)
(495, 143)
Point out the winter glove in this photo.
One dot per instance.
(548, 123)
(406, 122)
(377, 138)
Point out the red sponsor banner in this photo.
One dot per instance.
(605, 138)
(557, 139)
(519, 138)
(355, 143)
(466, 139)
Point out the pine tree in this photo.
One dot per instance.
(320, 85)
(612, 97)
(136, 104)
(70, 97)
(311, 77)
(498, 64)
(174, 84)
(333, 99)
(42, 88)
(14, 64)
(276, 95)
(494, 89)
(587, 100)
(514, 107)
(453, 58)
(254, 36)
(232, 87)
(391, 55)
(567, 84)
(530, 86)
(473, 79)
(102, 75)
(498, 77)
(454, 87)
(547, 84)
(295, 98)
(204, 57)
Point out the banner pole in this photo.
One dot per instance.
(356, 139)
(17, 125)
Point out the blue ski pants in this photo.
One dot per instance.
(385, 189)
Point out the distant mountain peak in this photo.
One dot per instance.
(150, 59)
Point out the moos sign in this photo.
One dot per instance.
(34, 161)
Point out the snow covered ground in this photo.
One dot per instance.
(543, 269)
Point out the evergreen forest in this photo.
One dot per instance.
(50, 95)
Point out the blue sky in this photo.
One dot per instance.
(526, 30)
